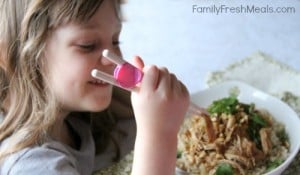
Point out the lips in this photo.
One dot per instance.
(98, 82)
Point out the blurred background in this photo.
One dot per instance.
(192, 39)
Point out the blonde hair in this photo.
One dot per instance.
(28, 104)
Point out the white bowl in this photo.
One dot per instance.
(248, 94)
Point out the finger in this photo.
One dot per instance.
(150, 79)
(164, 79)
(184, 89)
(178, 86)
(138, 62)
(164, 69)
(174, 82)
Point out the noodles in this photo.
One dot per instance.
(246, 140)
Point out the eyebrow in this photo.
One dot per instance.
(93, 26)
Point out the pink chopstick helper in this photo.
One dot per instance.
(125, 75)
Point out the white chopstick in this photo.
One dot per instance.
(193, 108)
(109, 79)
(196, 110)
(112, 57)
(106, 77)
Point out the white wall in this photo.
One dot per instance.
(168, 33)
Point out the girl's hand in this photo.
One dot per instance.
(159, 105)
(161, 102)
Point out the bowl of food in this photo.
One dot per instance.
(246, 132)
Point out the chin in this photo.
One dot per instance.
(98, 107)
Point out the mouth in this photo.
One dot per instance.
(98, 83)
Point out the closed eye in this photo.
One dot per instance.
(87, 47)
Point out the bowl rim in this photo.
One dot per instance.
(222, 90)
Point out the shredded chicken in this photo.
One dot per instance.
(206, 141)
(265, 135)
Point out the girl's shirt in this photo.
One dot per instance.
(54, 158)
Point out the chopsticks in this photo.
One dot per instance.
(125, 75)
(105, 77)
(112, 57)
(196, 110)
(137, 77)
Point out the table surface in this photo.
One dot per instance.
(192, 44)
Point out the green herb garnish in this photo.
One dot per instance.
(224, 169)
(231, 105)
(179, 154)
(258, 120)
(256, 123)
(273, 164)
(224, 105)
(282, 135)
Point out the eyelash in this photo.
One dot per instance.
(88, 46)
(91, 47)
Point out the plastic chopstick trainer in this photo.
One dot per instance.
(125, 75)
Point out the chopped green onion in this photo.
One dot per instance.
(224, 105)
(258, 120)
(282, 135)
(224, 169)
(274, 164)
(179, 154)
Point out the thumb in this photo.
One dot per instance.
(138, 62)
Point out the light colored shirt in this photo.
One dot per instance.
(54, 158)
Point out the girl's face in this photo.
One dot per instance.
(73, 50)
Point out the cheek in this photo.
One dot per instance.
(61, 85)
(69, 70)
(63, 80)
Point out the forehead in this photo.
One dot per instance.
(81, 11)
(106, 14)
(104, 22)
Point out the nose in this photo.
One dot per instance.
(104, 61)
(107, 55)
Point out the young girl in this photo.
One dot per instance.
(51, 104)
